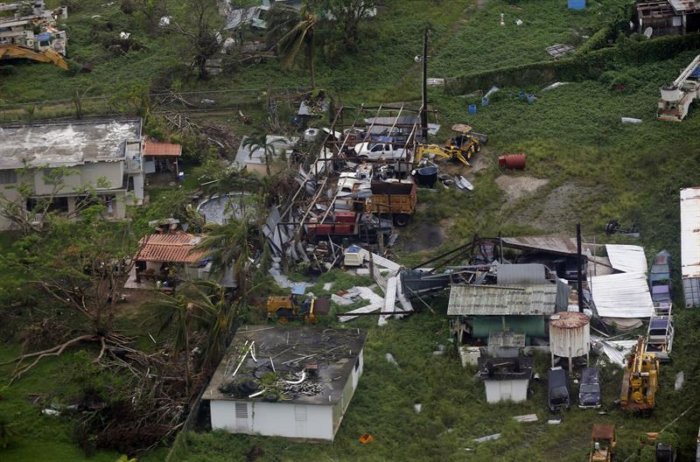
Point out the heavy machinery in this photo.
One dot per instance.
(288, 308)
(28, 31)
(640, 380)
(676, 98)
(459, 148)
(603, 442)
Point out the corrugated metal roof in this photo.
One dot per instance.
(555, 244)
(690, 232)
(685, 6)
(499, 300)
(156, 148)
(622, 295)
(171, 248)
(520, 274)
(627, 258)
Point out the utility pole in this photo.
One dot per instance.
(424, 109)
(579, 274)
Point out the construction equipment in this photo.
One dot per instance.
(640, 381)
(28, 31)
(288, 308)
(603, 442)
(676, 98)
(460, 148)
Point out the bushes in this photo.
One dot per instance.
(580, 67)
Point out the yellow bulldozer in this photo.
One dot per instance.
(640, 380)
(287, 308)
(459, 148)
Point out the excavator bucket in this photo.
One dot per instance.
(46, 56)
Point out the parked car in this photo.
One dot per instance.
(558, 395)
(380, 151)
(589, 390)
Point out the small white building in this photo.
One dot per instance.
(95, 156)
(505, 379)
(294, 382)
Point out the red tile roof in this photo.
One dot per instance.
(171, 248)
(156, 148)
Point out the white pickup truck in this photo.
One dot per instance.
(380, 151)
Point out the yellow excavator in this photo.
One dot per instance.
(45, 56)
(460, 148)
(640, 381)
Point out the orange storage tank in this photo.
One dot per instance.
(512, 161)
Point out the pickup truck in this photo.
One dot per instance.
(380, 151)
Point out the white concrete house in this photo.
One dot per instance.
(294, 382)
(104, 156)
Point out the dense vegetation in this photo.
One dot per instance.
(597, 168)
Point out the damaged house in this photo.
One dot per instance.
(100, 157)
(288, 382)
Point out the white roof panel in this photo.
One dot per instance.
(622, 295)
(627, 258)
(690, 232)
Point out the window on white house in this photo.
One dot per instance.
(241, 410)
(300, 413)
(8, 177)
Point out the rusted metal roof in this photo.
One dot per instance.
(170, 248)
(603, 432)
(156, 148)
(568, 320)
(553, 244)
(685, 6)
(499, 300)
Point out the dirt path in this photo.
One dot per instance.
(516, 187)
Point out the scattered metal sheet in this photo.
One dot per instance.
(483, 439)
(624, 295)
(559, 50)
(525, 418)
(389, 300)
(627, 258)
(615, 350)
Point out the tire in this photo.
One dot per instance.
(284, 315)
(401, 219)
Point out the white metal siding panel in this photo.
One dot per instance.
(623, 295)
(690, 244)
(504, 390)
(627, 258)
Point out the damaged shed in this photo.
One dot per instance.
(480, 310)
(289, 382)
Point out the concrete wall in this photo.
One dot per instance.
(273, 419)
(111, 174)
(506, 390)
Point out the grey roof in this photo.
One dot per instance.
(521, 274)
(334, 351)
(499, 300)
(66, 144)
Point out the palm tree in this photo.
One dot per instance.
(230, 247)
(179, 313)
(297, 28)
(257, 141)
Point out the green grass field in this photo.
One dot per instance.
(597, 169)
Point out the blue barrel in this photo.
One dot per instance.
(577, 4)
(485, 101)
(472, 109)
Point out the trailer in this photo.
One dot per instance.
(397, 199)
